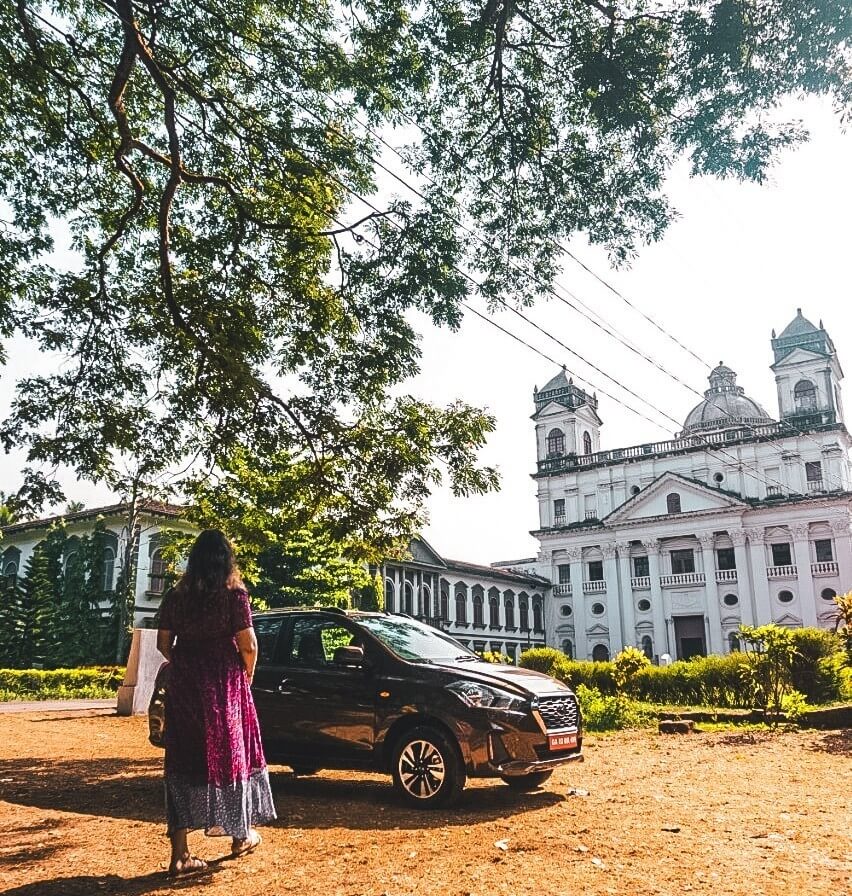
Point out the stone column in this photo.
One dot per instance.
(661, 643)
(802, 557)
(757, 559)
(626, 592)
(613, 602)
(843, 552)
(578, 601)
(714, 615)
(744, 587)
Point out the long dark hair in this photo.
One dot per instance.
(211, 566)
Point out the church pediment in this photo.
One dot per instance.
(420, 551)
(798, 356)
(692, 498)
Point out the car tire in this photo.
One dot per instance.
(427, 768)
(526, 783)
(302, 771)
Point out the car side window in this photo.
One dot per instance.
(314, 641)
(267, 629)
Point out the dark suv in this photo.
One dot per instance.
(355, 690)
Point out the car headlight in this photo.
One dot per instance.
(473, 694)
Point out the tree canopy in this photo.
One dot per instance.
(245, 277)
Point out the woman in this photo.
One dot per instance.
(216, 775)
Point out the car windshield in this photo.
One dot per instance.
(414, 641)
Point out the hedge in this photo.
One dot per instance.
(818, 673)
(60, 684)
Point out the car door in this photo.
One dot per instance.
(272, 638)
(328, 709)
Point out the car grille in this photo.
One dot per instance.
(559, 712)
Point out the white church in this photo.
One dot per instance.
(670, 546)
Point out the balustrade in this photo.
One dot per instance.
(594, 587)
(825, 568)
(683, 578)
(781, 572)
(726, 575)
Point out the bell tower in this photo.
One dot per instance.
(566, 420)
(807, 374)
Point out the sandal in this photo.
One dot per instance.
(244, 847)
(187, 866)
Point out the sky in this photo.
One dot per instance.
(737, 263)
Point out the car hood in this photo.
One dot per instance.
(513, 677)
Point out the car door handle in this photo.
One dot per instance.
(283, 687)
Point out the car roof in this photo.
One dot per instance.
(334, 611)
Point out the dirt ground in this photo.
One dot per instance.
(716, 813)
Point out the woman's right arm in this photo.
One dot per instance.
(247, 646)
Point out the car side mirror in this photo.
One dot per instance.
(349, 656)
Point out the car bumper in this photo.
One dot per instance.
(519, 767)
(502, 751)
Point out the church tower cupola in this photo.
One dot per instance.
(807, 374)
(566, 419)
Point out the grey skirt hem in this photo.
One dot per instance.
(229, 810)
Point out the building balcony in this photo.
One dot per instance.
(682, 578)
(825, 568)
(641, 583)
(563, 589)
(815, 485)
(591, 514)
(781, 572)
(559, 519)
(594, 587)
(726, 575)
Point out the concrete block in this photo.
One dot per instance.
(144, 661)
(676, 726)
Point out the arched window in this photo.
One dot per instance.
(538, 624)
(425, 600)
(555, 443)
(828, 594)
(109, 569)
(600, 653)
(734, 642)
(478, 606)
(509, 607)
(461, 604)
(587, 443)
(10, 571)
(524, 610)
(157, 574)
(673, 503)
(648, 646)
(408, 598)
(390, 594)
(805, 396)
(494, 608)
(445, 600)
(568, 648)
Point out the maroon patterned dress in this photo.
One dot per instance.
(216, 775)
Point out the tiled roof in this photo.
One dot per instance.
(154, 508)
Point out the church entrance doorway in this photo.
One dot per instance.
(689, 637)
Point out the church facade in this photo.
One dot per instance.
(670, 546)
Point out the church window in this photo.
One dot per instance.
(564, 570)
(805, 396)
(781, 554)
(596, 571)
(828, 594)
(587, 443)
(683, 562)
(559, 510)
(641, 569)
(648, 647)
(568, 648)
(644, 605)
(600, 653)
(555, 443)
(673, 503)
(786, 597)
(565, 610)
(824, 550)
(730, 600)
(813, 472)
(598, 609)
(725, 558)
(634, 490)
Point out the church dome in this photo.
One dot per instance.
(725, 406)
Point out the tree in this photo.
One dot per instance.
(233, 290)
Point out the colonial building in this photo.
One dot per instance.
(484, 607)
(20, 539)
(740, 518)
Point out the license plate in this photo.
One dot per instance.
(562, 741)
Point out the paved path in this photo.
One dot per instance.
(91, 707)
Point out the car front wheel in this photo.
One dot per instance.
(427, 768)
(525, 783)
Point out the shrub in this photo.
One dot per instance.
(494, 656)
(607, 712)
(60, 684)
(626, 667)
(771, 652)
(814, 672)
